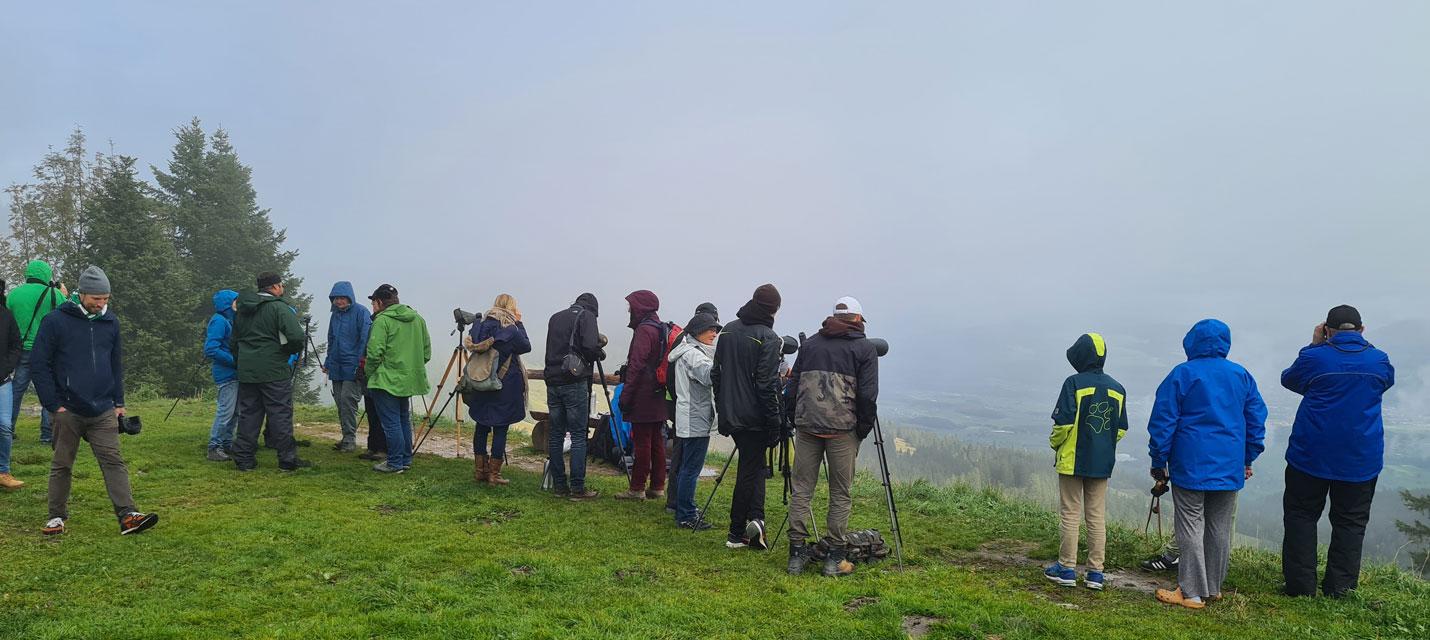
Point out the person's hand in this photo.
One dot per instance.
(1318, 335)
(60, 410)
(1159, 474)
(118, 412)
(1249, 473)
(325, 370)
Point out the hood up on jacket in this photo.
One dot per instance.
(1089, 353)
(223, 302)
(643, 304)
(1210, 338)
(39, 271)
(588, 302)
(343, 289)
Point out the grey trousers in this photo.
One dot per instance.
(102, 434)
(347, 394)
(1204, 528)
(839, 452)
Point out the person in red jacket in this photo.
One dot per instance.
(643, 400)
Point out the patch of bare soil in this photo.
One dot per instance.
(859, 603)
(1014, 553)
(919, 626)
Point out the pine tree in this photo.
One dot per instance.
(1417, 532)
(45, 215)
(126, 234)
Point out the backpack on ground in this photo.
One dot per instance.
(864, 546)
(612, 440)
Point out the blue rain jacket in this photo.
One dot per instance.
(347, 335)
(1338, 433)
(1208, 421)
(218, 338)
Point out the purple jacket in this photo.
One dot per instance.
(640, 400)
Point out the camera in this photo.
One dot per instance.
(465, 318)
(130, 425)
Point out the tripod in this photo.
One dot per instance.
(718, 479)
(457, 362)
(889, 492)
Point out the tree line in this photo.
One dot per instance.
(167, 246)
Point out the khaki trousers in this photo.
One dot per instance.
(102, 434)
(1083, 499)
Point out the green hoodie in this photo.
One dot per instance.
(29, 303)
(398, 349)
(265, 333)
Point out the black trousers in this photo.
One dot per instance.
(1302, 504)
(376, 439)
(749, 500)
(273, 401)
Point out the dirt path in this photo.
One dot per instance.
(1014, 553)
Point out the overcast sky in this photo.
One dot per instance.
(967, 170)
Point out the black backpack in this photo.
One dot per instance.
(864, 546)
(603, 445)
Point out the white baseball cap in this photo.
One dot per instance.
(847, 306)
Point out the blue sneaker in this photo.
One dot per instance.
(1064, 576)
(1093, 580)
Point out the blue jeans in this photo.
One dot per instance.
(396, 416)
(692, 462)
(7, 427)
(20, 384)
(226, 417)
(570, 407)
(498, 433)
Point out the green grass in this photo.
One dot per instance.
(340, 552)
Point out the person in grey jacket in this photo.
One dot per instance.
(690, 361)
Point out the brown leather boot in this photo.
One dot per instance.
(9, 483)
(479, 469)
(494, 472)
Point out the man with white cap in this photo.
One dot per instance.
(833, 402)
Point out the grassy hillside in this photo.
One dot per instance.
(338, 551)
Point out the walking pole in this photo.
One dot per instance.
(718, 479)
(889, 493)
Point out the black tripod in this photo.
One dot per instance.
(626, 461)
(718, 479)
(889, 492)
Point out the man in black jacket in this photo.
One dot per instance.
(833, 405)
(746, 381)
(571, 331)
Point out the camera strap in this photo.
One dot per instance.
(48, 293)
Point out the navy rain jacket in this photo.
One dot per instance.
(1338, 433)
(76, 362)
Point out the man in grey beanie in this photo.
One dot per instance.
(85, 398)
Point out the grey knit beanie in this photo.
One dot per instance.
(92, 281)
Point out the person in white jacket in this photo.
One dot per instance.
(690, 361)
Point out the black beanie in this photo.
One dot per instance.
(268, 279)
(768, 298)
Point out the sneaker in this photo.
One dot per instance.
(1093, 580)
(55, 526)
(383, 467)
(9, 483)
(376, 456)
(581, 495)
(694, 524)
(561, 492)
(217, 455)
(1160, 563)
(755, 534)
(1064, 576)
(243, 469)
(733, 541)
(345, 447)
(630, 495)
(134, 522)
(298, 463)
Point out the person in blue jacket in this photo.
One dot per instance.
(347, 342)
(1337, 447)
(1207, 426)
(495, 411)
(218, 348)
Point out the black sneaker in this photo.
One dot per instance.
(695, 524)
(217, 455)
(1161, 563)
(298, 463)
(733, 541)
(755, 535)
(561, 492)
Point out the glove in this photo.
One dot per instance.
(1160, 475)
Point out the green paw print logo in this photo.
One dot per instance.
(1099, 416)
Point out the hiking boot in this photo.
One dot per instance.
(694, 524)
(383, 467)
(1162, 562)
(298, 463)
(479, 469)
(631, 494)
(1176, 597)
(755, 535)
(217, 455)
(1061, 575)
(9, 483)
(799, 557)
(654, 494)
(494, 472)
(54, 527)
(1093, 580)
(836, 564)
(581, 495)
(134, 522)
(372, 455)
(345, 447)
(561, 492)
(733, 541)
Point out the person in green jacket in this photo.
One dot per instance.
(398, 349)
(1088, 421)
(265, 333)
(30, 303)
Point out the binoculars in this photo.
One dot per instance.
(130, 425)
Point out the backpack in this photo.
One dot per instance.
(864, 546)
(669, 334)
(612, 440)
(482, 372)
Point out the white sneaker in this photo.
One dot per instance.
(54, 527)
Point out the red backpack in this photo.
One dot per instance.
(669, 334)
